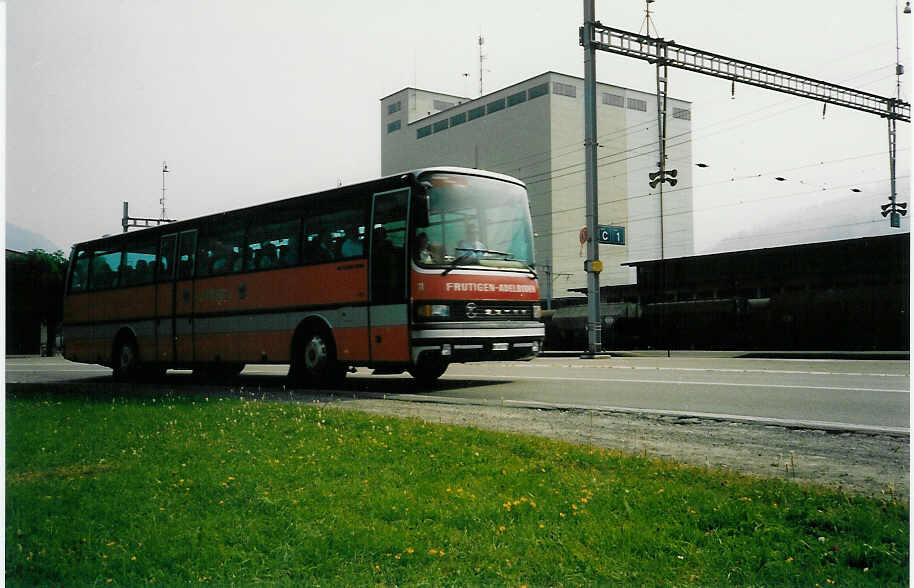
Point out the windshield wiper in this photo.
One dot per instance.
(469, 253)
(456, 262)
(484, 252)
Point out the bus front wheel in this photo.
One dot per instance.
(428, 370)
(314, 361)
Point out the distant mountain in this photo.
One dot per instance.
(20, 239)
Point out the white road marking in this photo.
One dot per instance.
(713, 370)
(676, 383)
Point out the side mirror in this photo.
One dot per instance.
(421, 209)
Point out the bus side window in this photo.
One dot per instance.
(164, 269)
(139, 261)
(186, 247)
(219, 249)
(273, 244)
(79, 277)
(105, 269)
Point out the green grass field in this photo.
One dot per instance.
(141, 490)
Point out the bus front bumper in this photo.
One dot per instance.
(467, 342)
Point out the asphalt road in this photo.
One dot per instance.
(867, 395)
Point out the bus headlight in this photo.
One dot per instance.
(537, 311)
(433, 311)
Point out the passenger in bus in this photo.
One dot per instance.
(424, 249)
(352, 246)
(325, 247)
(79, 278)
(141, 274)
(470, 245)
(267, 256)
(380, 243)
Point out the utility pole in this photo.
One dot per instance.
(162, 199)
(482, 58)
(895, 210)
(593, 266)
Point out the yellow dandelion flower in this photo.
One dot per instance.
(433, 551)
(501, 528)
(410, 550)
(561, 514)
(441, 552)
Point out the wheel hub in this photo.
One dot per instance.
(315, 353)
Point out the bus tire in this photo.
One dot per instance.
(314, 360)
(126, 359)
(427, 371)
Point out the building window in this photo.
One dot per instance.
(458, 119)
(515, 99)
(395, 107)
(564, 89)
(439, 126)
(394, 126)
(442, 105)
(424, 131)
(477, 112)
(496, 106)
(614, 100)
(537, 91)
(682, 113)
(637, 104)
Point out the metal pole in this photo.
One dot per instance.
(125, 218)
(592, 266)
(895, 219)
(662, 82)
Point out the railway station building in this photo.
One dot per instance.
(534, 131)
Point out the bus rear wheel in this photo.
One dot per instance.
(126, 358)
(314, 361)
(428, 370)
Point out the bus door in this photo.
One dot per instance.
(184, 297)
(165, 299)
(388, 262)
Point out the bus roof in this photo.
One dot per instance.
(389, 182)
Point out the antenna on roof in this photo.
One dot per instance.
(482, 58)
(162, 199)
(647, 24)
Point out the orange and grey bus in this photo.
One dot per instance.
(404, 273)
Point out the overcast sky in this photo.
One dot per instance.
(253, 101)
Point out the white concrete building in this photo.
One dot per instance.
(534, 131)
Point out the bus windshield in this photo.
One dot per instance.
(474, 221)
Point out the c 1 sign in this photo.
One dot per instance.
(610, 235)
